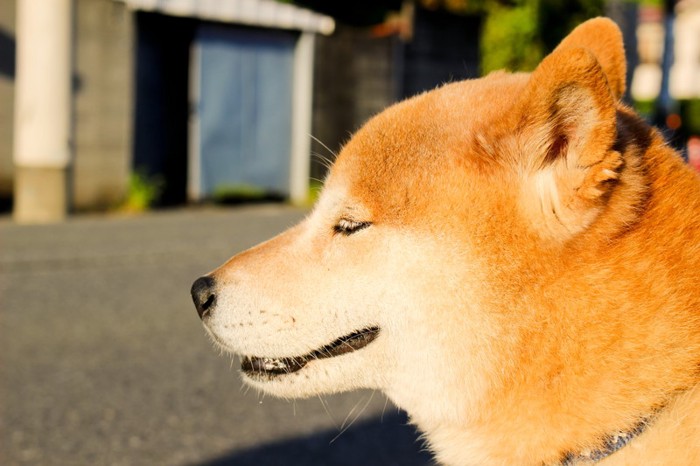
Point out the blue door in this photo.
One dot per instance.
(242, 88)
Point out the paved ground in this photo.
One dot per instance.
(103, 360)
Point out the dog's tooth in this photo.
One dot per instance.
(273, 363)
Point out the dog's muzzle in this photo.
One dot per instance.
(203, 295)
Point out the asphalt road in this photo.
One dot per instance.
(103, 360)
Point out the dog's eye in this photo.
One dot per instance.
(348, 227)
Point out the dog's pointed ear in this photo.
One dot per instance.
(603, 39)
(568, 130)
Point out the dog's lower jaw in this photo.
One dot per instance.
(265, 368)
(347, 372)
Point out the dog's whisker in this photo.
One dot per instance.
(328, 412)
(344, 427)
(323, 145)
(318, 180)
(323, 160)
(345, 421)
(386, 402)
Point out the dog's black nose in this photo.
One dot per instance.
(203, 295)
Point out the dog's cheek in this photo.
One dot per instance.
(440, 330)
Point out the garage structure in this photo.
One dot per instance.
(224, 96)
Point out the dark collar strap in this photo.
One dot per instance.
(611, 444)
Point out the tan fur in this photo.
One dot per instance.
(533, 263)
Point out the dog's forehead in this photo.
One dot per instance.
(417, 142)
(436, 123)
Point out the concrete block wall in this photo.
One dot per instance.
(354, 78)
(103, 103)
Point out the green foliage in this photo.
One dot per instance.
(227, 193)
(690, 112)
(143, 192)
(510, 39)
(315, 188)
(656, 3)
(558, 17)
(645, 108)
(517, 34)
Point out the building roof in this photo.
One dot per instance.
(261, 13)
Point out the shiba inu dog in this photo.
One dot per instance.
(514, 260)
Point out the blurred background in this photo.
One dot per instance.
(170, 102)
(142, 142)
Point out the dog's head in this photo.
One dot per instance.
(437, 220)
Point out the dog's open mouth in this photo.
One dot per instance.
(258, 366)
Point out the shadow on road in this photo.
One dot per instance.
(379, 442)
